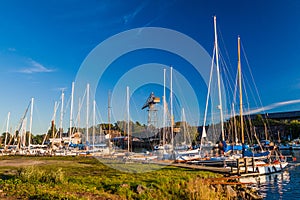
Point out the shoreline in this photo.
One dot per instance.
(216, 184)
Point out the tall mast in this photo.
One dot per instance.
(234, 125)
(53, 123)
(240, 87)
(30, 123)
(207, 97)
(94, 121)
(87, 111)
(61, 114)
(183, 121)
(71, 112)
(171, 105)
(23, 143)
(108, 116)
(19, 142)
(7, 124)
(164, 110)
(78, 114)
(219, 82)
(127, 89)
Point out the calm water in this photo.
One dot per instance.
(284, 185)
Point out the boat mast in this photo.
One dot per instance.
(78, 114)
(234, 124)
(71, 112)
(207, 99)
(30, 123)
(87, 111)
(171, 105)
(53, 123)
(7, 124)
(127, 89)
(164, 110)
(19, 142)
(240, 88)
(108, 116)
(61, 114)
(94, 122)
(219, 82)
(23, 143)
(183, 121)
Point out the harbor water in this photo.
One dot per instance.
(284, 185)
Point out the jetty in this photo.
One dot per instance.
(222, 170)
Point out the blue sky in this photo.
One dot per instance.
(44, 43)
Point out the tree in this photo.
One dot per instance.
(37, 139)
(138, 123)
(51, 131)
(295, 128)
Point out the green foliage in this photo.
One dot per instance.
(33, 174)
(37, 139)
(88, 178)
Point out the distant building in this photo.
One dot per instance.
(289, 116)
(279, 130)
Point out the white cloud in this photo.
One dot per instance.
(272, 106)
(12, 49)
(35, 67)
(130, 17)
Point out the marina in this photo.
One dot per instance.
(194, 100)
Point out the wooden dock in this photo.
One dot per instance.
(222, 170)
(242, 166)
(241, 169)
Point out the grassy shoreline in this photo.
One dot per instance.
(88, 178)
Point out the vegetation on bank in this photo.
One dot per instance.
(87, 178)
(259, 127)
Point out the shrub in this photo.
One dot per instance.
(33, 174)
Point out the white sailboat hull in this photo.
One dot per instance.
(262, 168)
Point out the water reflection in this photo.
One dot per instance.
(284, 185)
(272, 185)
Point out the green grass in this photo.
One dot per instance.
(88, 178)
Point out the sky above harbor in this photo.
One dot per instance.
(44, 46)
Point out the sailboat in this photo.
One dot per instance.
(129, 155)
(195, 155)
(264, 162)
(164, 146)
(229, 152)
(99, 145)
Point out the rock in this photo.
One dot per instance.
(124, 185)
(140, 189)
(230, 192)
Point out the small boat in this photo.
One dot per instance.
(187, 158)
(262, 167)
(210, 161)
(285, 147)
(162, 147)
(296, 144)
(142, 157)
